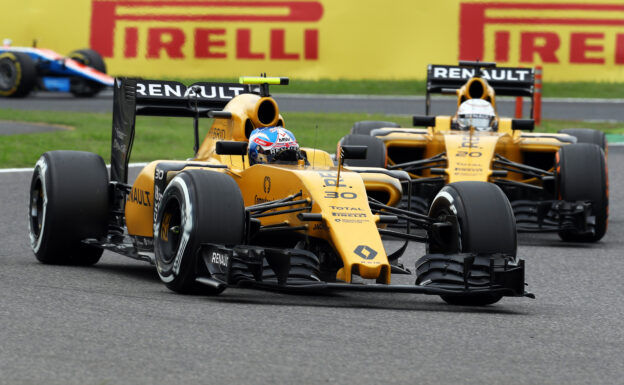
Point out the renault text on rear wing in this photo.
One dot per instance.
(506, 81)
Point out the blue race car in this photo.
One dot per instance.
(24, 69)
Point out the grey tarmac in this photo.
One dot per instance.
(556, 108)
(116, 323)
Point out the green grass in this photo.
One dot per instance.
(172, 138)
(418, 87)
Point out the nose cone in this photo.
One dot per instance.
(378, 271)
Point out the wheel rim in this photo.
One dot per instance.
(7, 74)
(37, 199)
(441, 214)
(169, 232)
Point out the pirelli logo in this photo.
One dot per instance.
(565, 33)
(241, 30)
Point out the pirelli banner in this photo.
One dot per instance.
(312, 39)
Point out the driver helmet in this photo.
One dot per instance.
(477, 113)
(271, 145)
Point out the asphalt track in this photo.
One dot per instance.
(566, 109)
(115, 323)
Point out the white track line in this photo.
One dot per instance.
(30, 169)
(421, 98)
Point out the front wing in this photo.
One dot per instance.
(272, 269)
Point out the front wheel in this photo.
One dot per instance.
(485, 225)
(197, 207)
(582, 176)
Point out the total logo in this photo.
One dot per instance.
(219, 29)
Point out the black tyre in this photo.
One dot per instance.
(18, 74)
(587, 135)
(365, 127)
(68, 203)
(582, 176)
(486, 225)
(83, 87)
(375, 154)
(197, 207)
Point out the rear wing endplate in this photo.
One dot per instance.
(132, 97)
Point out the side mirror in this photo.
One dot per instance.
(424, 121)
(350, 151)
(228, 147)
(523, 124)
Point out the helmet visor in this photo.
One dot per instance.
(480, 122)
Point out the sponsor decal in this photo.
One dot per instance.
(144, 243)
(283, 137)
(320, 227)
(365, 252)
(266, 185)
(346, 208)
(344, 214)
(218, 258)
(347, 220)
(217, 133)
(558, 33)
(164, 227)
(258, 199)
(262, 142)
(140, 197)
(220, 29)
(164, 89)
(469, 170)
(440, 72)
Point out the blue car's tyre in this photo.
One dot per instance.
(18, 74)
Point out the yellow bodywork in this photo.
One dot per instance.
(348, 224)
(469, 154)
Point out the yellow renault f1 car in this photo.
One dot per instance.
(555, 182)
(215, 221)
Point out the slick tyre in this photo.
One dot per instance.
(81, 87)
(18, 74)
(197, 207)
(582, 176)
(68, 203)
(486, 225)
(587, 135)
(365, 127)
(375, 153)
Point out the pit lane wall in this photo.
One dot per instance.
(312, 39)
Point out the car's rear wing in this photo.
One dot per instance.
(132, 97)
(506, 81)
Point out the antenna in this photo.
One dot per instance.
(315, 136)
(196, 121)
(340, 162)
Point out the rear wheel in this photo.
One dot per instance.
(486, 225)
(375, 154)
(582, 176)
(365, 127)
(587, 135)
(18, 74)
(197, 207)
(83, 87)
(68, 203)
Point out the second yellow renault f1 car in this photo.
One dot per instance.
(555, 182)
(217, 220)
